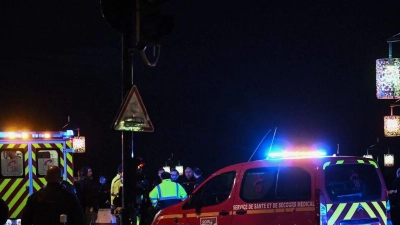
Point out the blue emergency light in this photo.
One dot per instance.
(295, 154)
(35, 135)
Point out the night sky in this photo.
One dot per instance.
(230, 72)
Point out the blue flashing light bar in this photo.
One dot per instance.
(295, 154)
(18, 135)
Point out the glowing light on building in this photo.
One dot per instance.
(167, 169)
(388, 160)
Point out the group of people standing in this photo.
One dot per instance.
(170, 188)
(189, 181)
(80, 201)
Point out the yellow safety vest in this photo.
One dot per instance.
(115, 185)
(167, 190)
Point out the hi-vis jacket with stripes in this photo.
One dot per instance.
(167, 190)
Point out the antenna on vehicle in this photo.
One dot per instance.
(71, 126)
(259, 144)
(272, 139)
(337, 150)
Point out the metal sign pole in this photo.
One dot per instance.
(127, 137)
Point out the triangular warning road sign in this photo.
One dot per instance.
(132, 115)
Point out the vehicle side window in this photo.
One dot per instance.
(217, 189)
(45, 159)
(12, 164)
(271, 184)
(259, 184)
(294, 184)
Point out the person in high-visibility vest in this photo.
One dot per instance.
(167, 193)
(116, 183)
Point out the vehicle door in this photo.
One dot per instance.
(279, 195)
(14, 179)
(355, 192)
(212, 201)
(44, 155)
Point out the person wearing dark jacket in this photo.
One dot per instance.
(199, 177)
(89, 195)
(68, 186)
(3, 211)
(45, 206)
(394, 195)
(78, 187)
(187, 181)
(158, 180)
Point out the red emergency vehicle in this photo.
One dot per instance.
(325, 190)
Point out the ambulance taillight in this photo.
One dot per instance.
(323, 218)
(320, 208)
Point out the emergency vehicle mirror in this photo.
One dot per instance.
(194, 202)
(190, 201)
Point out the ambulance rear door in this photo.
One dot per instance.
(14, 176)
(46, 153)
(355, 192)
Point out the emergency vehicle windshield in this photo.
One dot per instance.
(350, 182)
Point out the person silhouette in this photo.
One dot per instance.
(45, 206)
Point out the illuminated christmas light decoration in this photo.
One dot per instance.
(391, 124)
(388, 78)
(78, 144)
